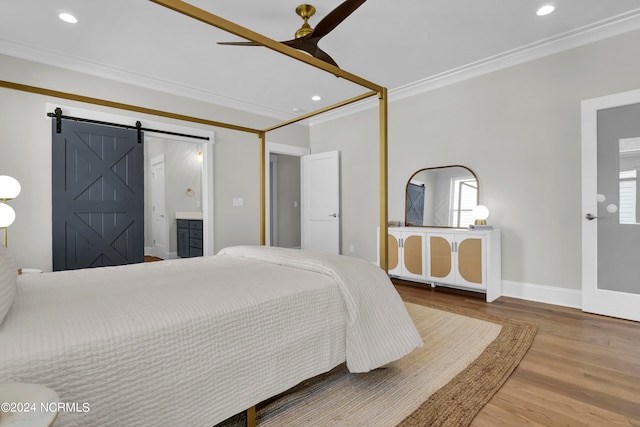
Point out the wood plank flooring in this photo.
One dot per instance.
(581, 370)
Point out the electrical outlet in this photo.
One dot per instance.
(352, 248)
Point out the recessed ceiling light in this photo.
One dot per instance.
(67, 17)
(545, 10)
(316, 98)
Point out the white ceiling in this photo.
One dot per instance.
(395, 44)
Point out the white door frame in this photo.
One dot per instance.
(156, 123)
(594, 300)
(275, 148)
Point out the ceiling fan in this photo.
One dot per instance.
(307, 38)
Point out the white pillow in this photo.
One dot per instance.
(8, 277)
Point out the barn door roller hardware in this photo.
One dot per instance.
(138, 126)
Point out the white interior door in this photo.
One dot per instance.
(160, 245)
(611, 205)
(321, 202)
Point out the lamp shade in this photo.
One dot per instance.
(7, 215)
(480, 213)
(9, 187)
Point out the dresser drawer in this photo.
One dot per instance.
(195, 243)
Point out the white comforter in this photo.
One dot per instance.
(379, 329)
(191, 342)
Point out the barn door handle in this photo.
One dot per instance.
(590, 216)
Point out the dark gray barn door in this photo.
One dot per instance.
(98, 196)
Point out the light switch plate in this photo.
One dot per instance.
(238, 201)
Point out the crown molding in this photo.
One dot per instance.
(81, 65)
(581, 36)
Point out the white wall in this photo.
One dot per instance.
(518, 129)
(25, 152)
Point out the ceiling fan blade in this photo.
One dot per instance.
(309, 43)
(300, 44)
(334, 18)
(321, 54)
(293, 43)
(240, 43)
(310, 47)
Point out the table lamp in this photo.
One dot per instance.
(480, 213)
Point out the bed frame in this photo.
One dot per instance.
(216, 21)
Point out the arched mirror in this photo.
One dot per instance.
(441, 197)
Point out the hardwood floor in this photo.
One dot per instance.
(581, 370)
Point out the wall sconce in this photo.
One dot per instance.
(200, 156)
(9, 189)
(480, 213)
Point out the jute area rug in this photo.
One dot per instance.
(466, 358)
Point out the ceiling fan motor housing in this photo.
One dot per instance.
(305, 11)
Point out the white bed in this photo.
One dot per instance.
(194, 341)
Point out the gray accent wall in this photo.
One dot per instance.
(517, 128)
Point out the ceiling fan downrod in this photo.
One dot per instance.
(305, 11)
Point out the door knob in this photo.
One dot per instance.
(590, 216)
(334, 215)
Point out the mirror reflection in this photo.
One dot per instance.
(441, 197)
(629, 165)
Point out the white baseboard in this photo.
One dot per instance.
(545, 294)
